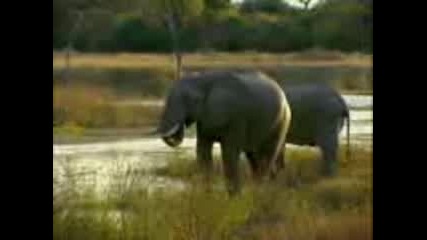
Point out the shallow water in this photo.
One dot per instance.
(107, 165)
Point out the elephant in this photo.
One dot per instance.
(318, 114)
(245, 111)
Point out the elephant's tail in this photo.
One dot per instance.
(347, 116)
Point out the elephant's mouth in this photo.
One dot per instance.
(174, 136)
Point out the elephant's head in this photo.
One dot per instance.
(181, 110)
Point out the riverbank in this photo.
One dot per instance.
(156, 194)
(150, 75)
(246, 59)
(360, 105)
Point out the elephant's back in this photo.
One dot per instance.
(263, 95)
(260, 87)
(315, 97)
(266, 103)
(312, 105)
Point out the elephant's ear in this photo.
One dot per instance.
(194, 96)
(194, 102)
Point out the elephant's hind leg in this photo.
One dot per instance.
(276, 151)
(271, 159)
(280, 160)
(328, 144)
(253, 163)
(278, 164)
(251, 159)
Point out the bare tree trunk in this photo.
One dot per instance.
(253, 6)
(305, 3)
(172, 25)
(66, 73)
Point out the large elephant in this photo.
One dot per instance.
(245, 111)
(318, 114)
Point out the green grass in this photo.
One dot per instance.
(316, 208)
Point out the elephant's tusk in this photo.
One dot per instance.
(172, 131)
(151, 132)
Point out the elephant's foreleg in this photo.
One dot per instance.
(230, 157)
(204, 156)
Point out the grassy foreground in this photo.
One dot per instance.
(299, 205)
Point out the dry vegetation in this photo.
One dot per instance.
(97, 80)
(314, 209)
(92, 108)
(300, 205)
(247, 59)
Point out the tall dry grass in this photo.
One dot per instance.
(333, 209)
(312, 58)
(92, 107)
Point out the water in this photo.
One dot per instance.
(104, 165)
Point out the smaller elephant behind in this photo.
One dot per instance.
(318, 114)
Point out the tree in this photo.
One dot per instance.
(217, 4)
(270, 6)
(70, 15)
(305, 3)
(174, 14)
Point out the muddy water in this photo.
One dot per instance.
(109, 165)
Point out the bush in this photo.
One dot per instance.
(131, 34)
(331, 29)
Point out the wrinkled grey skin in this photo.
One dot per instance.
(318, 114)
(245, 111)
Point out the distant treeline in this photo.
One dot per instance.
(338, 25)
